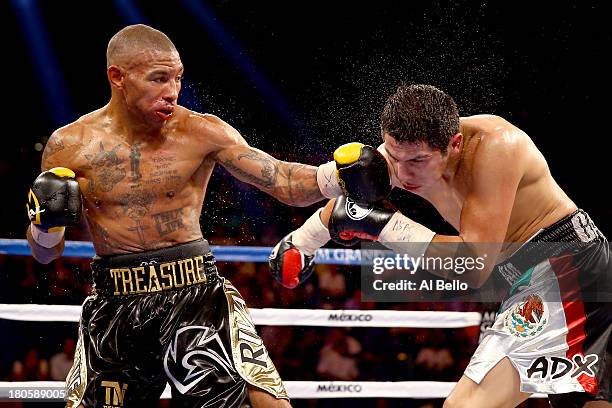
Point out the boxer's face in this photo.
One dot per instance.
(152, 84)
(416, 165)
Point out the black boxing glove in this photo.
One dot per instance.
(289, 265)
(54, 202)
(363, 173)
(350, 222)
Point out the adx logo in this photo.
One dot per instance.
(115, 393)
(557, 367)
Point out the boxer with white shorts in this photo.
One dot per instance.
(488, 180)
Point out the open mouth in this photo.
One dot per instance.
(164, 114)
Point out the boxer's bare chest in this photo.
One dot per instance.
(109, 168)
(537, 202)
(142, 192)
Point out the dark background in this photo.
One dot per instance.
(297, 79)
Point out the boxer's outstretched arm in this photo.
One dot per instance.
(292, 183)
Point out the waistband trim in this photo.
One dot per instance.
(140, 273)
(576, 227)
(565, 235)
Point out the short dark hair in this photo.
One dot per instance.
(420, 113)
(135, 38)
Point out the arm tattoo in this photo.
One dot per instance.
(292, 183)
(290, 170)
(52, 147)
(302, 184)
(269, 169)
(311, 193)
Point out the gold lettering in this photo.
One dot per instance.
(109, 387)
(190, 270)
(118, 392)
(180, 263)
(153, 277)
(176, 284)
(115, 274)
(169, 265)
(126, 281)
(137, 270)
(200, 268)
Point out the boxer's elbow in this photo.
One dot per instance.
(47, 255)
(42, 259)
(481, 255)
(44, 255)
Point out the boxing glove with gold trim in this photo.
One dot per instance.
(363, 173)
(54, 202)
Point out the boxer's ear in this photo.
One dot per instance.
(456, 142)
(115, 76)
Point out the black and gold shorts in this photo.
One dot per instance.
(166, 316)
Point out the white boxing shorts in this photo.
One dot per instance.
(556, 322)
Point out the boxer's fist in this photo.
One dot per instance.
(363, 172)
(289, 265)
(350, 222)
(54, 200)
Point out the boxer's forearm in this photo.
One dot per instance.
(297, 184)
(42, 254)
(291, 183)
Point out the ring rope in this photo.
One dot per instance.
(295, 389)
(84, 249)
(280, 317)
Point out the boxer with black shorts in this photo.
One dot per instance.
(487, 178)
(160, 312)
